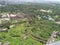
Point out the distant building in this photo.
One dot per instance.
(48, 11)
(45, 17)
(38, 17)
(12, 15)
(4, 18)
(50, 18)
(55, 43)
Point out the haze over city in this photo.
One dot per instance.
(32, 0)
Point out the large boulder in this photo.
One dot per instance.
(0, 43)
(3, 29)
(7, 43)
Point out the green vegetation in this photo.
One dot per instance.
(37, 32)
(41, 29)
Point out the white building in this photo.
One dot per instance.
(56, 43)
(48, 11)
(50, 18)
(38, 17)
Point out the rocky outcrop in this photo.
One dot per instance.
(0, 43)
(7, 43)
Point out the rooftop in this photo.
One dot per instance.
(55, 43)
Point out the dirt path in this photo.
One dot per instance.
(52, 38)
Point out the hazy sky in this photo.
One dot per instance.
(40, 0)
(53, 0)
(33, 0)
